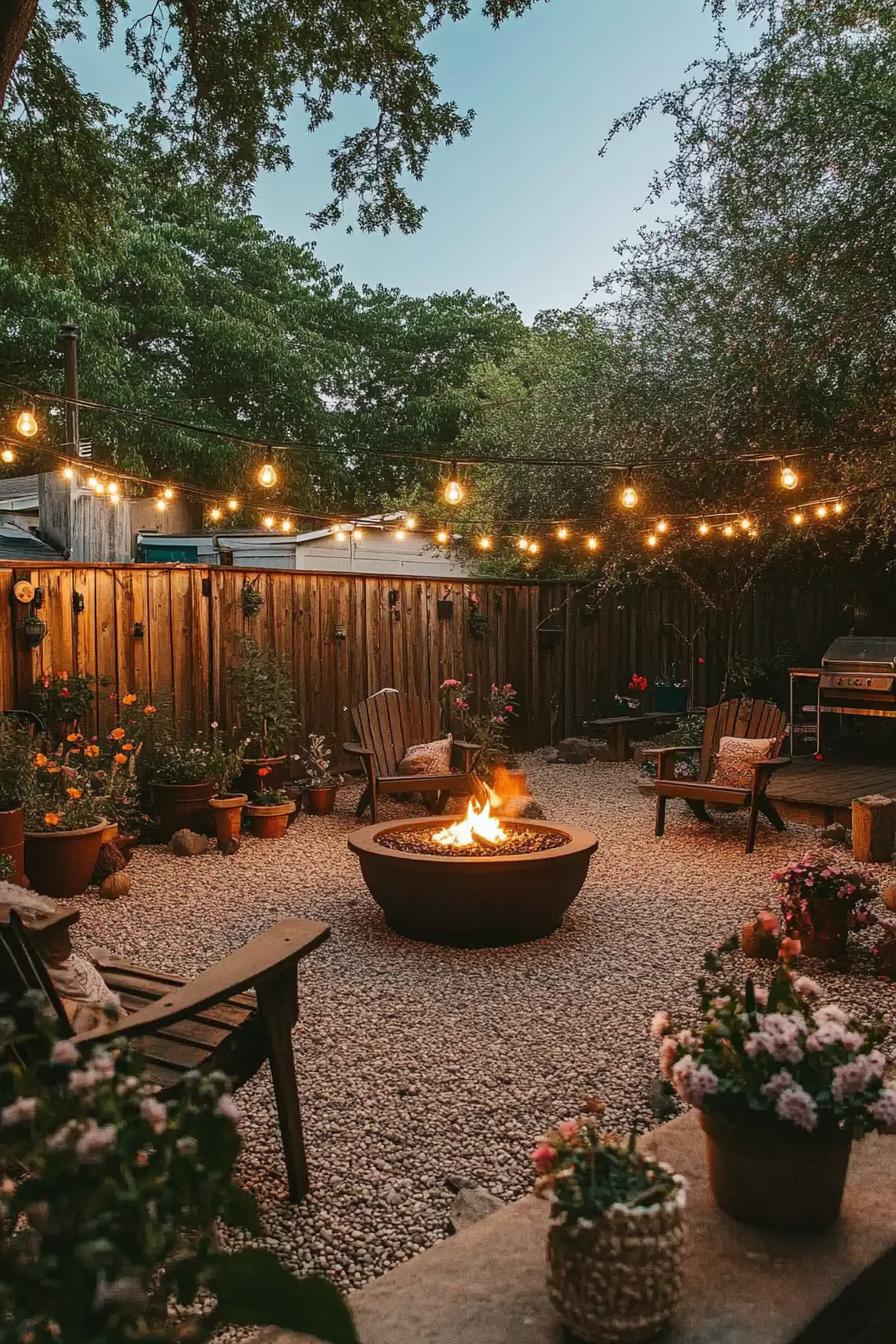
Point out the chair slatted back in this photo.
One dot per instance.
(381, 724)
(740, 718)
(21, 968)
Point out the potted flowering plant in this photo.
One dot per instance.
(65, 700)
(821, 901)
(631, 702)
(112, 1203)
(184, 777)
(482, 720)
(264, 700)
(671, 691)
(615, 1235)
(783, 1083)
(320, 783)
(16, 784)
(65, 822)
(270, 809)
(226, 803)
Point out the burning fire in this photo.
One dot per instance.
(478, 826)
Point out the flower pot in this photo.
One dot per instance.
(294, 794)
(60, 864)
(768, 1172)
(319, 802)
(671, 699)
(826, 932)
(227, 815)
(269, 822)
(619, 1281)
(248, 782)
(758, 942)
(12, 842)
(180, 805)
(127, 843)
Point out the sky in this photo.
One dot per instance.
(524, 206)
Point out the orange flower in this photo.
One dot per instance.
(117, 734)
(72, 737)
(92, 750)
(128, 699)
(149, 709)
(127, 746)
(40, 759)
(52, 818)
(119, 758)
(73, 793)
(52, 769)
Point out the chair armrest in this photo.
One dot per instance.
(466, 746)
(355, 749)
(767, 767)
(663, 754)
(263, 958)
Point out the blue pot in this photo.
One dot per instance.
(671, 699)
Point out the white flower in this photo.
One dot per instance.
(777, 1084)
(884, 1108)
(103, 1064)
(154, 1113)
(64, 1052)
(18, 1112)
(795, 1104)
(95, 1142)
(703, 1082)
(63, 1136)
(849, 1078)
(804, 984)
(830, 1012)
(833, 1031)
(187, 1146)
(228, 1108)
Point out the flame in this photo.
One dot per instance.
(477, 825)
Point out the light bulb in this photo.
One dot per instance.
(112, 487)
(522, 543)
(358, 533)
(703, 529)
(267, 476)
(410, 523)
(662, 526)
(652, 539)
(286, 525)
(562, 533)
(337, 529)
(821, 511)
(788, 478)
(267, 522)
(797, 519)
(454, 491)
(744, 524)
(167, 493)
(215, 514)
(485, 543)
(442, 537)
(91, 482)
(7, 455)
(113, 499)
(839, 507)
(100, 488)
(727, 530)
(593, 544)
(400, 534)
(161, 506)
(26, 424)
(233, 505)
(629, 497)
(68, 474)
(533, 548)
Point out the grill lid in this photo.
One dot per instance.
(861, 652)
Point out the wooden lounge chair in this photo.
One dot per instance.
(732, 718)
(384, 735)
(205, 1023)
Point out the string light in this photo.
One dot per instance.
(215, 514)
(113, 499)
(442, 537)
(267, 476)
(703, 529)
(167, 493)
(522, 543)
(839, 507)
(744, 524)
(727, 530)
(454, 491)
(821, 511)
(485, 543)
(788, 478)
(91, 482)
(100, 488)
(267, 521)
(797, 519)
(161, 505)
(112, 488)
(68, 474)
(652, 539)
(629, 496)
(8, 455)
(400, 534)
(592, 543)
(533, 548)
(233, 505)
(562, 532)
(410, 523)
(26, 424)
(662, 526)
(286, 525)
(357, 534)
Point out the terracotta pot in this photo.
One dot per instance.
(770, 1173)
(248, 781)
(227, 814)
(319, 802)
(269, 822)
(127, 843)
(294, 794)
(179, 805)
(827, 935)
(60, 864)
(757, 942)
(12, 842)
(619, 1281)
(110, 834)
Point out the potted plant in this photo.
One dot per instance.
(113, 1200)
(615, 1235)
(671, 691)
(64, 825)
(320, 781)
(783, 1083)
(63, 701)
(821, 901)
(269, 810)
(182, 777)
(483, 720)
(16, 783)
(632, 701)
(226, 804)
(264, 701)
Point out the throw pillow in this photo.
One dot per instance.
(429, 758)
(735, 760)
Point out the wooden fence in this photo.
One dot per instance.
(173, 629)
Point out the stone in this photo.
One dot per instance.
(835, 834)
(186, 843)
(575, 751)
(470, 1204)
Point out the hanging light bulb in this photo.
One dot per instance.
(286, 525)
(629, 497)
(68, 474)
(337, 529)
(114, 499)
(662, 526)
(233, 505)
(167, 493)
(788, 478)
(821, 511)
(728, 530)
(400, 534)
(562, 532)
(703, 529)
(161, 505)
(522, 543)
(357, 533)
(744, 524)
(267, 476)
(91, 482)
(7, 455)
(26, 424)
(839, 507)
(215, 514)
(592, 543)
(454, 491)
(410, 523)
(267, 521)
(442, 537)
(112, 488)
(100, 488)
(797, 519)
(652, 539)
(533, 548)
(484, 543)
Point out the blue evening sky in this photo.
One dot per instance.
(525, 205)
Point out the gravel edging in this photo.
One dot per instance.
(419, 1063)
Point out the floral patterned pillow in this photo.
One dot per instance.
(429, 758)
(735, 760)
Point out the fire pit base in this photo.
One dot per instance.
(487, 901)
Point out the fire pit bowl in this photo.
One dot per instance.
(482, 900)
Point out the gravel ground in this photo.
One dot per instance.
(418, 1063)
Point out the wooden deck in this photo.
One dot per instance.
(819, 792)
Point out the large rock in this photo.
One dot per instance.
(575, 751)
(186, 843)
(471, 1203)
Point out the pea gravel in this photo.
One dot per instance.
(419, 1063)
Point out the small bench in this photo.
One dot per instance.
(619, 729)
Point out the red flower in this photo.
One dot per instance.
(263, 770)
(64, 693)
(701, 661)
(819, 756)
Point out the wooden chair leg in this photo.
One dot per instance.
(441, 800)
(661, 801)
(698, 807)
(753, 823)
(363, 802)
(771, 813)
(278, 1006)
(373, 801)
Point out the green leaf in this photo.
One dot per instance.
(253, 1288)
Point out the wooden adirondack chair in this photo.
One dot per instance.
(384, 735)
(732, 718)
(205, 1023)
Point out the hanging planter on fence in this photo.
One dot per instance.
(251, 599)
(34, 630)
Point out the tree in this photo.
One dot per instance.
(220, 77)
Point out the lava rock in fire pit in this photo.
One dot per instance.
(520, 840)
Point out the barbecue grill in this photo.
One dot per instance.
(858, 676)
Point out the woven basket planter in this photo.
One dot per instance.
(620, 1280)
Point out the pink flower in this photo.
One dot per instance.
(804, 984)
(19, 1112)
(154, 1113)
(668, 1049)
(508, 709)
(795, 1104)
(568, 1129)
(95, 1142)
(778, 1083)
(659, 1024)
(884, 1108)
(543, 1156)
(64, 1052)
(228, 1108)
